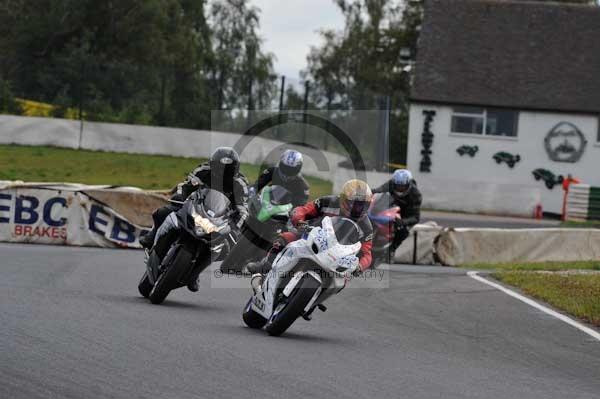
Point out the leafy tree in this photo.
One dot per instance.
(242, 75)
(8, 104)
(166, 62)
(588, 2)
(358, 66)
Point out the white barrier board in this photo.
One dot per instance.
(467, 246)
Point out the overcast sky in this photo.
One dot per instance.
(290, 27)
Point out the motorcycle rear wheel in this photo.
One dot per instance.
(144, 286)
(294, 307)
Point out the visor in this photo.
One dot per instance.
(290, 171)
(401, 188)
(222, 175)
(356, 209)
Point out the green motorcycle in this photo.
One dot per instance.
(269, 217)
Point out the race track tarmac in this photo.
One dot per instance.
(72, 325)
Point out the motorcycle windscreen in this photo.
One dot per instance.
(381, 203)
(215, 204)
(347, 231)
(280, 196)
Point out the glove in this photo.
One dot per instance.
(194, 180)
(278, 244)
(400, 223)
(302, 226)
(357, 272)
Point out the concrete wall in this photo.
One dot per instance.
(479, 184)
(342, 175)
(39, 131)
(154, 140)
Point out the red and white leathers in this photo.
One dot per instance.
(330, 206)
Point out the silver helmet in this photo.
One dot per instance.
(402, 181)
(290, 164)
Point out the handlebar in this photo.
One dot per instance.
(304, 228)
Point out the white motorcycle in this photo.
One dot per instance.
(304, 275)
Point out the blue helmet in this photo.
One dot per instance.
(290, 164)
(402, 182)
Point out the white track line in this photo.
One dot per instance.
(559, 316)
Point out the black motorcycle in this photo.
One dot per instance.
(204, 226)
(269, 216)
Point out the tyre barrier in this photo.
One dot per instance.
(583, 203)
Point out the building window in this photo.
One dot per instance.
(485, 121)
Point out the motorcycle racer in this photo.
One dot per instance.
(287, 174)
(353, 203)
(406, 195)
(221, 173)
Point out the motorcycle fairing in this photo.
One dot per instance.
(321, 246)
(269, 209)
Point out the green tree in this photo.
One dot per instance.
(242, 74)
(358, 66)
(8, 104)
(167, 62)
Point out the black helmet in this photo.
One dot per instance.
(224, 163)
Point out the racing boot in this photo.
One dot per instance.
(256, 283)
(261, 267)
(264, 266)
(147, 240)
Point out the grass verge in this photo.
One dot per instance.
(154, 172)
(576, 294)
(591, 224)
(549, 266)
(568, 286)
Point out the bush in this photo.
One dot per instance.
(8, 103)
(61, 104)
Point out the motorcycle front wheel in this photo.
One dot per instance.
(144, 286)
(252, 318)
(169, 279)
(294, 307)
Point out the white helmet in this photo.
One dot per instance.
(402, 181)
(290, 164)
